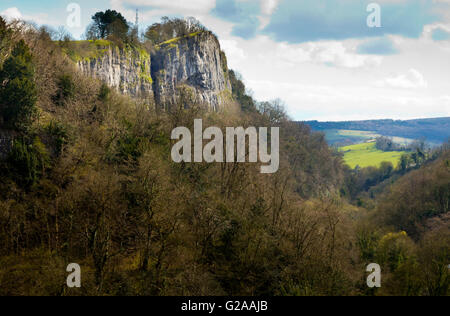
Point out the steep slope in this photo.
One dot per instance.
(126, 69)
(91, 182)
(194, 62)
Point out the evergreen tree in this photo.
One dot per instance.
(109, 23)
(18, 93)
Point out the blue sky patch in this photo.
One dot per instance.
(380, 46)
(298, 21)
(440, 35)
(242, 14)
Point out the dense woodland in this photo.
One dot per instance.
(89, 179)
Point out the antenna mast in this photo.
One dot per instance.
(137, 19)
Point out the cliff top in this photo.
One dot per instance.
(177, 39)
(87, 50)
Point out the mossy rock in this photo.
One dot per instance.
(87, 50)
(173, 42)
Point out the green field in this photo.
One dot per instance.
(342, 137)
(366, 155)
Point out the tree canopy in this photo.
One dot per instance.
(109, 23)
(170, 28)
(18, 93)
(92, 182)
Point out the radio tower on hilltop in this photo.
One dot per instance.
(137, 20)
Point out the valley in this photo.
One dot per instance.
(90, 178)
(356, 139)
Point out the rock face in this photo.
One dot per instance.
(193, 64)
(127, 70)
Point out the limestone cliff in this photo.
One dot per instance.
(194, 61)
(126, 69)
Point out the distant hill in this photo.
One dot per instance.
(435, 130)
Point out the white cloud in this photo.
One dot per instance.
(11, 13)
(232, 50)
(199, 6)
(39, 18)
(412, 80)
(331, 53)
(269, 6)
(430, 28)
(336, 54)
(334, 103)
(164, 7)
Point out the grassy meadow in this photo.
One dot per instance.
(342, 137)
(366, 155)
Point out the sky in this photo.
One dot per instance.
(320, 58)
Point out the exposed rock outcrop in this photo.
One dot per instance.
(126, 69)
(194, 62)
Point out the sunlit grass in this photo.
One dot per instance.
(367, 155)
